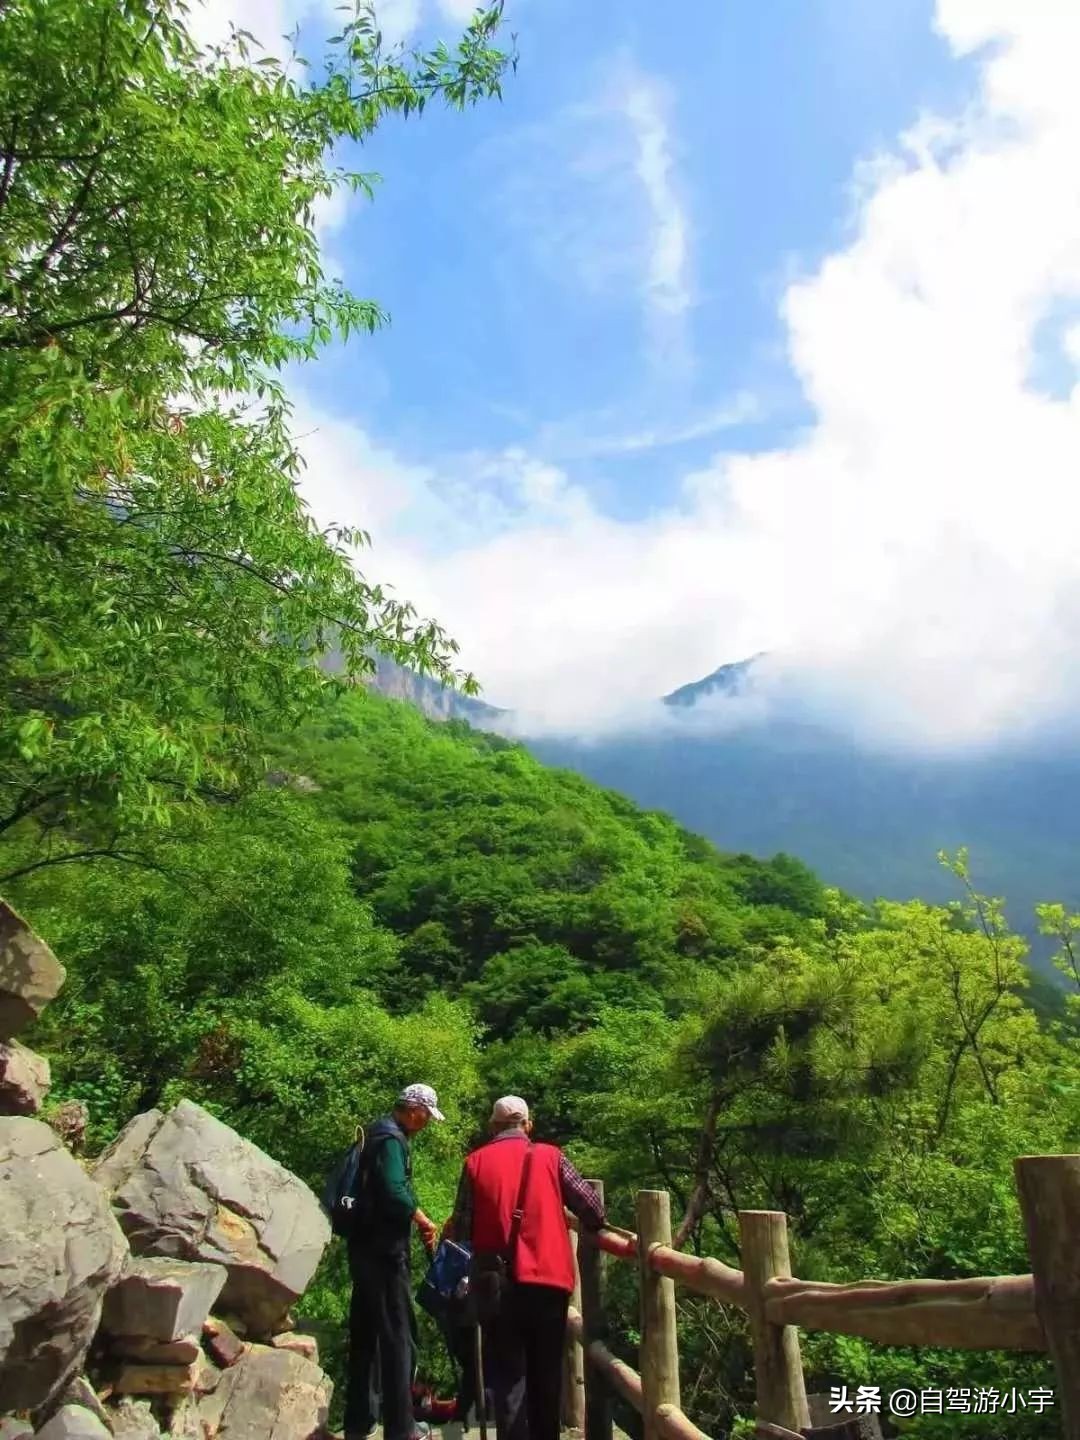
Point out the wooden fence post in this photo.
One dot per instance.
(574, 1368)
(659, 1337)
(781, 1390)
(594, 1323)
(1049, 1189)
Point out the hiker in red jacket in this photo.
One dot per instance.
(523, 1344)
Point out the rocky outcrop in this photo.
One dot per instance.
(81, 1392)
(269, 1393)
(14, 1429)
(74, 1422)
(305, 1345)
(162, 1300)
(134, 1420)
(60, 1250)
(186, 1186)
(223, 1345)
(96, 1344)
(24, 1079)
(30, 974)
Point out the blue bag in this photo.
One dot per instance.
(439, 1287)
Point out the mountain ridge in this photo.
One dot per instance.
(869, 822)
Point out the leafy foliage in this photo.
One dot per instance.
(166, 593)
(426, 900)
(406, 901)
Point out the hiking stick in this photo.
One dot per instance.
(481, 1395)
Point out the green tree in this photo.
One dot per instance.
(165, 591)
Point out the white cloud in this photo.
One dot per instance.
(460, 11)
(398, 20)
(211, 21)
(572, 443)
(667, 286)
(592, 193)
(915, 555)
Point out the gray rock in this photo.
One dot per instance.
(155, 1352)
(113, 1167)
(24, 1079)
(186, 1186)
(222, 1343)
(60, 1250)
(268, 1393)
(30, 974)
(73, 1423)
(80, 1392)
(133, 1420)
(162, 1299)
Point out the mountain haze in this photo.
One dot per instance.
(869, 821)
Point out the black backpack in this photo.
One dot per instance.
(346, 1197)
(343, 1193)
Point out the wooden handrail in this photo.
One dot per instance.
(674, 1425)
(622, 1379)
(626, 1382)
(991, 1313)
(995, 1312)
(700, 1273)
(1035, 1313)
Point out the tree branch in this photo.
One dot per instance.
(699, 1196)
(76, 855)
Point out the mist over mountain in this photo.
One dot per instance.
(871, 821)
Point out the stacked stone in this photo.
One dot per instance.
(30, 976)
(149, 1297)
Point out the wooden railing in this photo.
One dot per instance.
(1037, 1312)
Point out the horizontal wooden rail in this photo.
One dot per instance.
(620, 1243)
(1035, 1313)
(626, 1382)
(700, 1273)
(674, 1425)
(991, 1313)
(995, 1312)
(622, 1379)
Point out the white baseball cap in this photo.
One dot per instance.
(510, 1109)
(424, 1097)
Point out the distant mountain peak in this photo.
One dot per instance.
(727, 680)
(431, 697)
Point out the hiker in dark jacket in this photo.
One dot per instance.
(382, 1326)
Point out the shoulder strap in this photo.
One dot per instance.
(519, 1208)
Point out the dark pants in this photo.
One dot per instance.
(523, 1360)
(460, 1337)
(382, 1345)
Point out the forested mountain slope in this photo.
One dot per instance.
(419, 900)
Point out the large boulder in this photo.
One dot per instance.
(268, 1395)
(73, 1422)
(79, 1392)
(60, 1250)
(30, 974)
(162, 1299)
(133, 1419)
(24, 1079)
(186, 1186)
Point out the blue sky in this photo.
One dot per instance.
(515, 246)
(755, 331)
